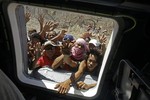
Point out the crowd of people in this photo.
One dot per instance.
(62, 50)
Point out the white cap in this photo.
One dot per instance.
(95, 42)
(49, 43)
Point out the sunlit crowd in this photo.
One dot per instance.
(61, 50)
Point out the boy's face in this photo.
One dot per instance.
(51, 35)
(91, 62)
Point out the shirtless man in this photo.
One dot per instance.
(91, 64)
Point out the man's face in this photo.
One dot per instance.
(91, 62)
(91, 45)
(50, 51)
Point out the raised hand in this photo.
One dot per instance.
(38, 50)
(53, 26)
(62, 34)
(41, 20)
(66, 47)
(102, 38)
(86, 34)
(47, 26)
(27, 16)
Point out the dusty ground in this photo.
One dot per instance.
(75, 23)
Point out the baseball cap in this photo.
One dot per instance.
(49, 43)
(95, 42)
(68, 37)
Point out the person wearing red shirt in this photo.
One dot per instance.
(48, 56)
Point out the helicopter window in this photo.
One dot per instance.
(44, 35)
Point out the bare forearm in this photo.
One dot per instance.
(42, 34)
(81, 70)
(75, 76)
(56, 38)
(69, 61)
(103, 48)
(57, 62)
(41, 27)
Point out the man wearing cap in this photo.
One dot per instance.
(68, 37)
(48, 56)
(94, 43)
(64, 60)
(99, 44)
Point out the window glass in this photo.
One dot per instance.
(58, 44)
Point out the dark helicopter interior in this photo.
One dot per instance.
(124, 73)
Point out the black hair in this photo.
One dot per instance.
(96, 52)
(32, 31)
(38, 36)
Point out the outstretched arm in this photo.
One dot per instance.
(58, 62)
(41, 21)
(64, 87)
(102, 40)
(60, 36)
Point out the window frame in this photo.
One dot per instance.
(19, 35)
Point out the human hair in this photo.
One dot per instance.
(96, 52)
(32, 31)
